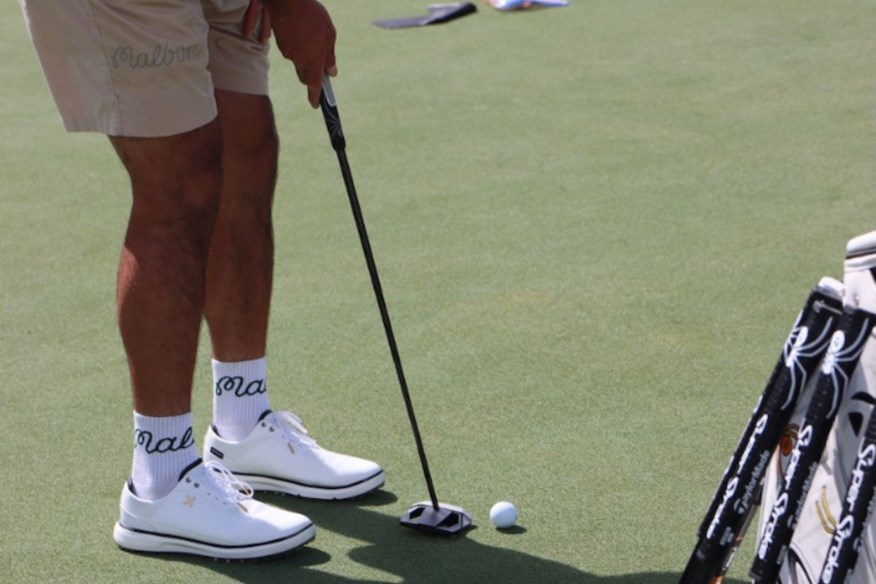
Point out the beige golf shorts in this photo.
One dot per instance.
(143, 68)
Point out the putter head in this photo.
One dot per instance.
(446, 520)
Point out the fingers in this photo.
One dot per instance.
(265, 32)
(251, 17)
(314, 89)
(314, 85)
(258, 19)
(312, 78)
(331, 67)
(313, 94)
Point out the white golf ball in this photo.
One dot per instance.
(503, 514)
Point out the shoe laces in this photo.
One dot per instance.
(293, 429)
(229, 488)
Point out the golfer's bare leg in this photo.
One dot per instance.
(176, 184)
(240, 268)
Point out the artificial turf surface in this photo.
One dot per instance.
(594, 225)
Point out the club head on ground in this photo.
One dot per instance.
(446, 520)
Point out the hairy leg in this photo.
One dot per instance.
(176, 184)
(240, 267)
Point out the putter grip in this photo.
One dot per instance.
(845, 545)
(330, 113)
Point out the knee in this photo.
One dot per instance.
(251, 157)
(176, 183)
(264, 156)
(250, 146)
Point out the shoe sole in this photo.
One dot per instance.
(356, 490)
(148, 542)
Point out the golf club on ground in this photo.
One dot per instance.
(430, 515)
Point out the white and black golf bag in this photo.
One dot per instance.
(823, 505)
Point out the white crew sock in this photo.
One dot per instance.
(163, 448)
(240, 397)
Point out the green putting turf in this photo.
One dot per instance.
(594, 226)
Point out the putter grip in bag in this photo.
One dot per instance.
(845, 545)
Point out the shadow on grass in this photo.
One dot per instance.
(409, 556)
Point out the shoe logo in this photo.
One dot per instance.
(245, 510)
(189, 501)
(145, 439)
(235, 385)
(292, 450)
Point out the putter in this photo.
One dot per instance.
(430, 516)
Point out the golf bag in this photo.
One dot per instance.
(824, 502)
(736, 499)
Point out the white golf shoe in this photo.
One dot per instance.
(280, 456)
(209, 513)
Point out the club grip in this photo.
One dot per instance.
(838, 365)
(845, 544)
(331, 116)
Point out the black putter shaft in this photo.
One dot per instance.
(336, 134)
